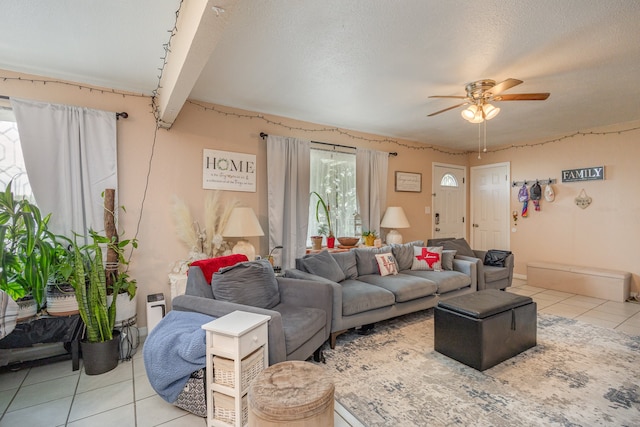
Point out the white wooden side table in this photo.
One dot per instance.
(237, 351)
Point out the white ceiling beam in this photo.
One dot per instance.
(200, 26)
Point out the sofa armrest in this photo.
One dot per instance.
(337, 293)
(215, 308)
(197, 285)
(479, 269)
(468, 267)
(308, 293)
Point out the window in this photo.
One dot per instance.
(448, 180)
(11, 160)
(333, 176)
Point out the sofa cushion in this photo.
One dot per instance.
(299, 324)
(446, 281)
(427, 258)
(212, 265)
(358, 297)
(386, 264)
(324, 265)
(250, 283)
(366, 259)
(404, 287)
(347, 262)
(403, 252)
(459, 245)
(447, 259)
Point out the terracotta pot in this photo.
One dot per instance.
(316, 242)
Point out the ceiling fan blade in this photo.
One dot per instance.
(447, 109)
(448, 96)
(504, 85)
(523, 97)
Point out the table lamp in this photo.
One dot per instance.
(394, 217)
(243, 223)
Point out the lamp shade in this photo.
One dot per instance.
(490, 111)
(394, 217)
(242, 223)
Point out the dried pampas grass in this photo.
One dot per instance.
(184, 223)
(208, 242)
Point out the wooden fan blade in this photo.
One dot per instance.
(523, 97)
(504, 85)
(448, 96)
(447, 109)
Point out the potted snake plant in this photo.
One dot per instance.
(100, 348)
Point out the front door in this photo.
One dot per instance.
(490, 206)
(449, 197)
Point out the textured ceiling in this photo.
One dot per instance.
(366, 65)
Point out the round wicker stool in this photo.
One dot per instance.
(294, 394)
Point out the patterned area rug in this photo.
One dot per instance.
(577, 375)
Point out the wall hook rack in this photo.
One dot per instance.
(531, 181)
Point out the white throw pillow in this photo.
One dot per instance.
(427, 258)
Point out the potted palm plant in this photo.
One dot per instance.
(326, 225)
(100, 348)
(27, 251)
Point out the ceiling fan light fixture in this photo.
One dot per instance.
(490, 111)
(469, 113)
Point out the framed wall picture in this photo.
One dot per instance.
(409, 181)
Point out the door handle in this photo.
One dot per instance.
(437, 229)
(476, 225)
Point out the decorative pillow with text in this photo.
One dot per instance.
(386, 264)
(427, 258)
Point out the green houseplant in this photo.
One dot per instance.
(89, 280)
(28, 248)
(325, 227)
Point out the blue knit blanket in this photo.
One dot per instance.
(174, 349)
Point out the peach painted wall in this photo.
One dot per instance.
(176, 158)
(607, 233)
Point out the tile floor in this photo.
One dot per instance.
(54, 395)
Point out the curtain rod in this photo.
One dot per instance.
(264, 135)
(123, 114)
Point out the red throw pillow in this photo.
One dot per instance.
(212, 265)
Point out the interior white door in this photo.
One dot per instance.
(490, 206)
(449, 200)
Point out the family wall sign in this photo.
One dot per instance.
(583, 174)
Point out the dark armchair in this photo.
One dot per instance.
(489, 277)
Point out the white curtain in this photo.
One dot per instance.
(70, 156)
(371, 181)
(288, 191)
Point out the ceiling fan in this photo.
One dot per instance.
(480, 93)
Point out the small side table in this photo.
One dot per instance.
(238, 340)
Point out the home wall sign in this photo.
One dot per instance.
(225, 170)
(408, 181)
(583, 174)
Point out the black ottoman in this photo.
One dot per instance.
(485, 328)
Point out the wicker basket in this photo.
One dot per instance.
(224, 408)
(250, 367)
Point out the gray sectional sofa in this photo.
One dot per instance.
(361, 296)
